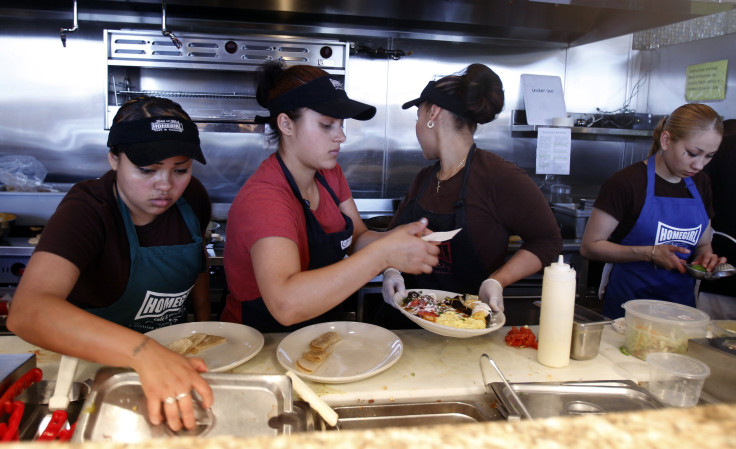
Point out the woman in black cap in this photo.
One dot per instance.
(294, 221)
(487, 197)
(124, 254)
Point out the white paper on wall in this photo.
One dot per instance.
(543, 98)
(553, 151)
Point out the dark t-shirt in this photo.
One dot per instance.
(87, 229)
(501, 200)
(623, 194)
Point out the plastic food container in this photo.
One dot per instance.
(676, 379)
(723, 328)
(661, 326)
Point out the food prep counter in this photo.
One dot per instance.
(433, 367)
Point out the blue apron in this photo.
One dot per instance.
(161, 278)
(324, 249)
(663, 220)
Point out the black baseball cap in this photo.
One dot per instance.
(323, 95)
(153, 139)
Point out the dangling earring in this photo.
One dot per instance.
(430, 124)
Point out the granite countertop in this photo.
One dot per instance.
(449, 366)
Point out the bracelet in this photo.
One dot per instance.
(651, 254)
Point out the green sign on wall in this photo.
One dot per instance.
(706, 81)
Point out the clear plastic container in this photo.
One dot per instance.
(676, 379)
(661, 326)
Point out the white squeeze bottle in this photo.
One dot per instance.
(558, 310)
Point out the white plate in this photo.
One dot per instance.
(498, 319)
(364, 351)
(243, 342)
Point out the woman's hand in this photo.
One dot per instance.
(666, 256)
(407, 252)
(709, 260)
(168, 380)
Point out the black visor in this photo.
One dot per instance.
(323, 96)
(153, 139)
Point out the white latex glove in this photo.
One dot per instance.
(393, 282)
(491, 292)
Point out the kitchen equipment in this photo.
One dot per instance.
(676, 379)
(518, 404)
(211, 76)
(586, 339)
(723, 328)
(549, 399)
(719, 354)
(572, 218)
(23, 376)
(320, 406)
(721, 270)
(661, 326)
(556, 317)
(7, 220)
(587, 330)
(56, 420)
(245, 405)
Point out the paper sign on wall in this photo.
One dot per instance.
(706, 81)
(553, 151)
(543, 98)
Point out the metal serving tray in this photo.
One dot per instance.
(544, 400)
(245, 405)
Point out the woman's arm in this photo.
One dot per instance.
(522, 264)
(41, 315)
(595, 245)
(293, 296)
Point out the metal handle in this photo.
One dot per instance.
(516, 398)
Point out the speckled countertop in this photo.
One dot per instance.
(450, 367)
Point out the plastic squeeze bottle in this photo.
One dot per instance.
(558, 310)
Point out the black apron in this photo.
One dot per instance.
(459, 270)
(324, 249)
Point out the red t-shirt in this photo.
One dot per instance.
(266, 207)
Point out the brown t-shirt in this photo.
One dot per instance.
(623, 195)
(87, 229)
(501, 200)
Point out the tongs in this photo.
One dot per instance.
(55, 425)
(510, 415)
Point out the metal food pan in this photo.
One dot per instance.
(548, 399)
(245, 405)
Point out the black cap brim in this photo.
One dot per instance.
(345, 108)
(148, 153)
(414, 102)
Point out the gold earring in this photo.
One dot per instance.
(430, 124)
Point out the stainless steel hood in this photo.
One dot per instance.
(559, 23)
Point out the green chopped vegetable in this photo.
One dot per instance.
(623, 350)
(698, 267)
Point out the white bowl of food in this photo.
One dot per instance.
(437, 315)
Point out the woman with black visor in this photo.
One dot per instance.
(294, 223)
(488, 198)
(122, 255)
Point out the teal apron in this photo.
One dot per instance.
(161, 278)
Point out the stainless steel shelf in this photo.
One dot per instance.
(586, 130)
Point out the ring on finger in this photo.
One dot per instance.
(181, 396)
(170, 400)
